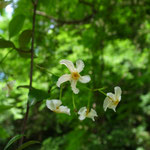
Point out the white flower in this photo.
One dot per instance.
(112, 100)
(84, 112)
(54, 105)
(74, 76)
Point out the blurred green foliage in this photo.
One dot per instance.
(113, 40)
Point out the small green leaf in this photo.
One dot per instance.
(25, 38)
(4, 108)
(6, 44)
(36, 95)
(16, 25)
(15, 138)
(27, 144)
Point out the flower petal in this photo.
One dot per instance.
(64, 109)
(53, 104)
(106, 103)
(118, 92)
(84, 79)
(73, 86)
(82, 113)
(63, 78)
(111, 96)
(82, 117)
(68, 64)
(82, 110)
(92, 114)
(112, 106)
(79, 65)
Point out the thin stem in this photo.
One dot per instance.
(31, 71)
(102, 92)
(73, 102)
(61, 88)
(46, 70)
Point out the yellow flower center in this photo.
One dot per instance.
(87, 112)
(75, 75)
(116, 102)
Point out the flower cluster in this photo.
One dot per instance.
(111, 101)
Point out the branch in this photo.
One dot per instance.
(22, 51)
(80, 21)
(31, 71)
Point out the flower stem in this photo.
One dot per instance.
(60, 95)
(73, 102)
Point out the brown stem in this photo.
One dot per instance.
(31, 71)
(80, 21)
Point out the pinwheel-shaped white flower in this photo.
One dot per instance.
(84, 112)
(112, 100)
(74, 76)
(54, 105)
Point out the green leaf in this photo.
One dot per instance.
(36, 95)
(25, 38)
(6, 44)
(16, 25)
(15, 138)
(4, 108)
(27, 144)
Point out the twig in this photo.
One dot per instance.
(80, 21)
(31, 71)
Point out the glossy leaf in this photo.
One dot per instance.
(27, 144)
(15, 138)
(16, 25)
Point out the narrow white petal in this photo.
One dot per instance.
(112, 106)
(82, 117)
(82, 110)
(118, 92)
(111, 96)
(73, 86)
(68, 64)
(79, 65)
(50, 105)
(92, 114)
(106, 103)
(84, 79)
(82, 113)
(64, 109)
(53, 104)
(62, 79)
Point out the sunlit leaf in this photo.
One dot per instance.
(27, 144)
(15, 138)
(16, 25)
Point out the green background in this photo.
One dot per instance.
(112, 37)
